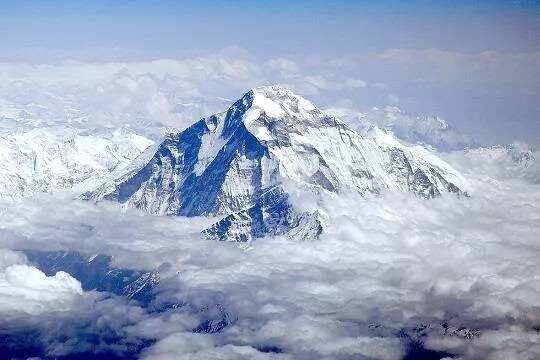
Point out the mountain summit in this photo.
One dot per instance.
(235, 164)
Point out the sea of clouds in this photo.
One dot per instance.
(459, 275)
(384, 265)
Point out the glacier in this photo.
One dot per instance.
(239, 165)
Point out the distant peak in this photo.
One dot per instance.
(273, 91)
(277, 101)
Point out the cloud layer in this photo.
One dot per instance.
(145, 95)
(458, 274)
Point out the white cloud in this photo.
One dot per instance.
(203, 346)
(380, 85)
(355, 83)
(26, 291)
(284, 65)
(384, 264)
(9, 257)
(509, 342)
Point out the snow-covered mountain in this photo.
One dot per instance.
(432, 131)
(45, 160)
(238, 164)
(512, 161)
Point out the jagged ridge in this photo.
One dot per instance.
(234, 165)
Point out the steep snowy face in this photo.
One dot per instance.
(314, 148)
(234, 165)
(38, 161)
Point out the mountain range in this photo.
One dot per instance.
(241, 164)
(50, 160)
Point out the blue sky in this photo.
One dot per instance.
(494, 97)
(283, 27)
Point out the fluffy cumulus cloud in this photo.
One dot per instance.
(51, 315)
(28, 290)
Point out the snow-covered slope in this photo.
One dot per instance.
(512, 161)
(235, 164)
(431, 131)
(45, 160)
